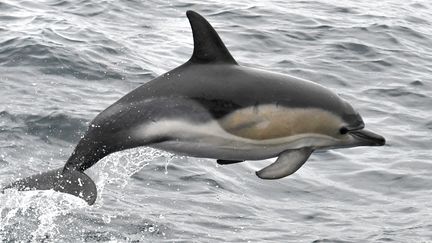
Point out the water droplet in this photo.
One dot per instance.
(106, 219)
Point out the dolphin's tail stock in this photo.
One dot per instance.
(68, 181)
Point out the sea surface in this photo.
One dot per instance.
(64, 61)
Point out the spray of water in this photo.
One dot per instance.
(33, 215)
(119, 167)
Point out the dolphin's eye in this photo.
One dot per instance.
(343, 130)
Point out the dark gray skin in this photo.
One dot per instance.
(210, 86)
(173, 95)
(211, 78)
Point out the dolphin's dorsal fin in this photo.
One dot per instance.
(208, 46)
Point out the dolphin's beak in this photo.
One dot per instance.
(367, 138)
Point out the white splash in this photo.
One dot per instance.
(119, 167)
(33, 215)
(30, 216)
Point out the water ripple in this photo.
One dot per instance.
(62, 62)
(58, 126)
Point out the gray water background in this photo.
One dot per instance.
(64, 61)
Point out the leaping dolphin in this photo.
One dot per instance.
(214, 108)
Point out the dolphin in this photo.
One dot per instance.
(212, 107)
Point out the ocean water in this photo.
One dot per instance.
(64, 61)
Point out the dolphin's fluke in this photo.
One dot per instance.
(70, 181)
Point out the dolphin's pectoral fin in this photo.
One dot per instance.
(228, 162)
(287, 163)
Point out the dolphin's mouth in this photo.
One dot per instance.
(368, 138)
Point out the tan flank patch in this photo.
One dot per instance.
(271, 121)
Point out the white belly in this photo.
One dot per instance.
(209, 140)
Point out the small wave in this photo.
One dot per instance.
(344, 10)
(59, 3)
(404, 30)
(244, 13)
(356, 48)
(53, 57)
(329, 240)
(87, 10)
(417, 20)
(8, 7)
(378, 27)
(429, 125)
(417, 83)
(387, 182)
(299, 35)
(396, 92)
(58, 126)
(203, 179)
(382, 63)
